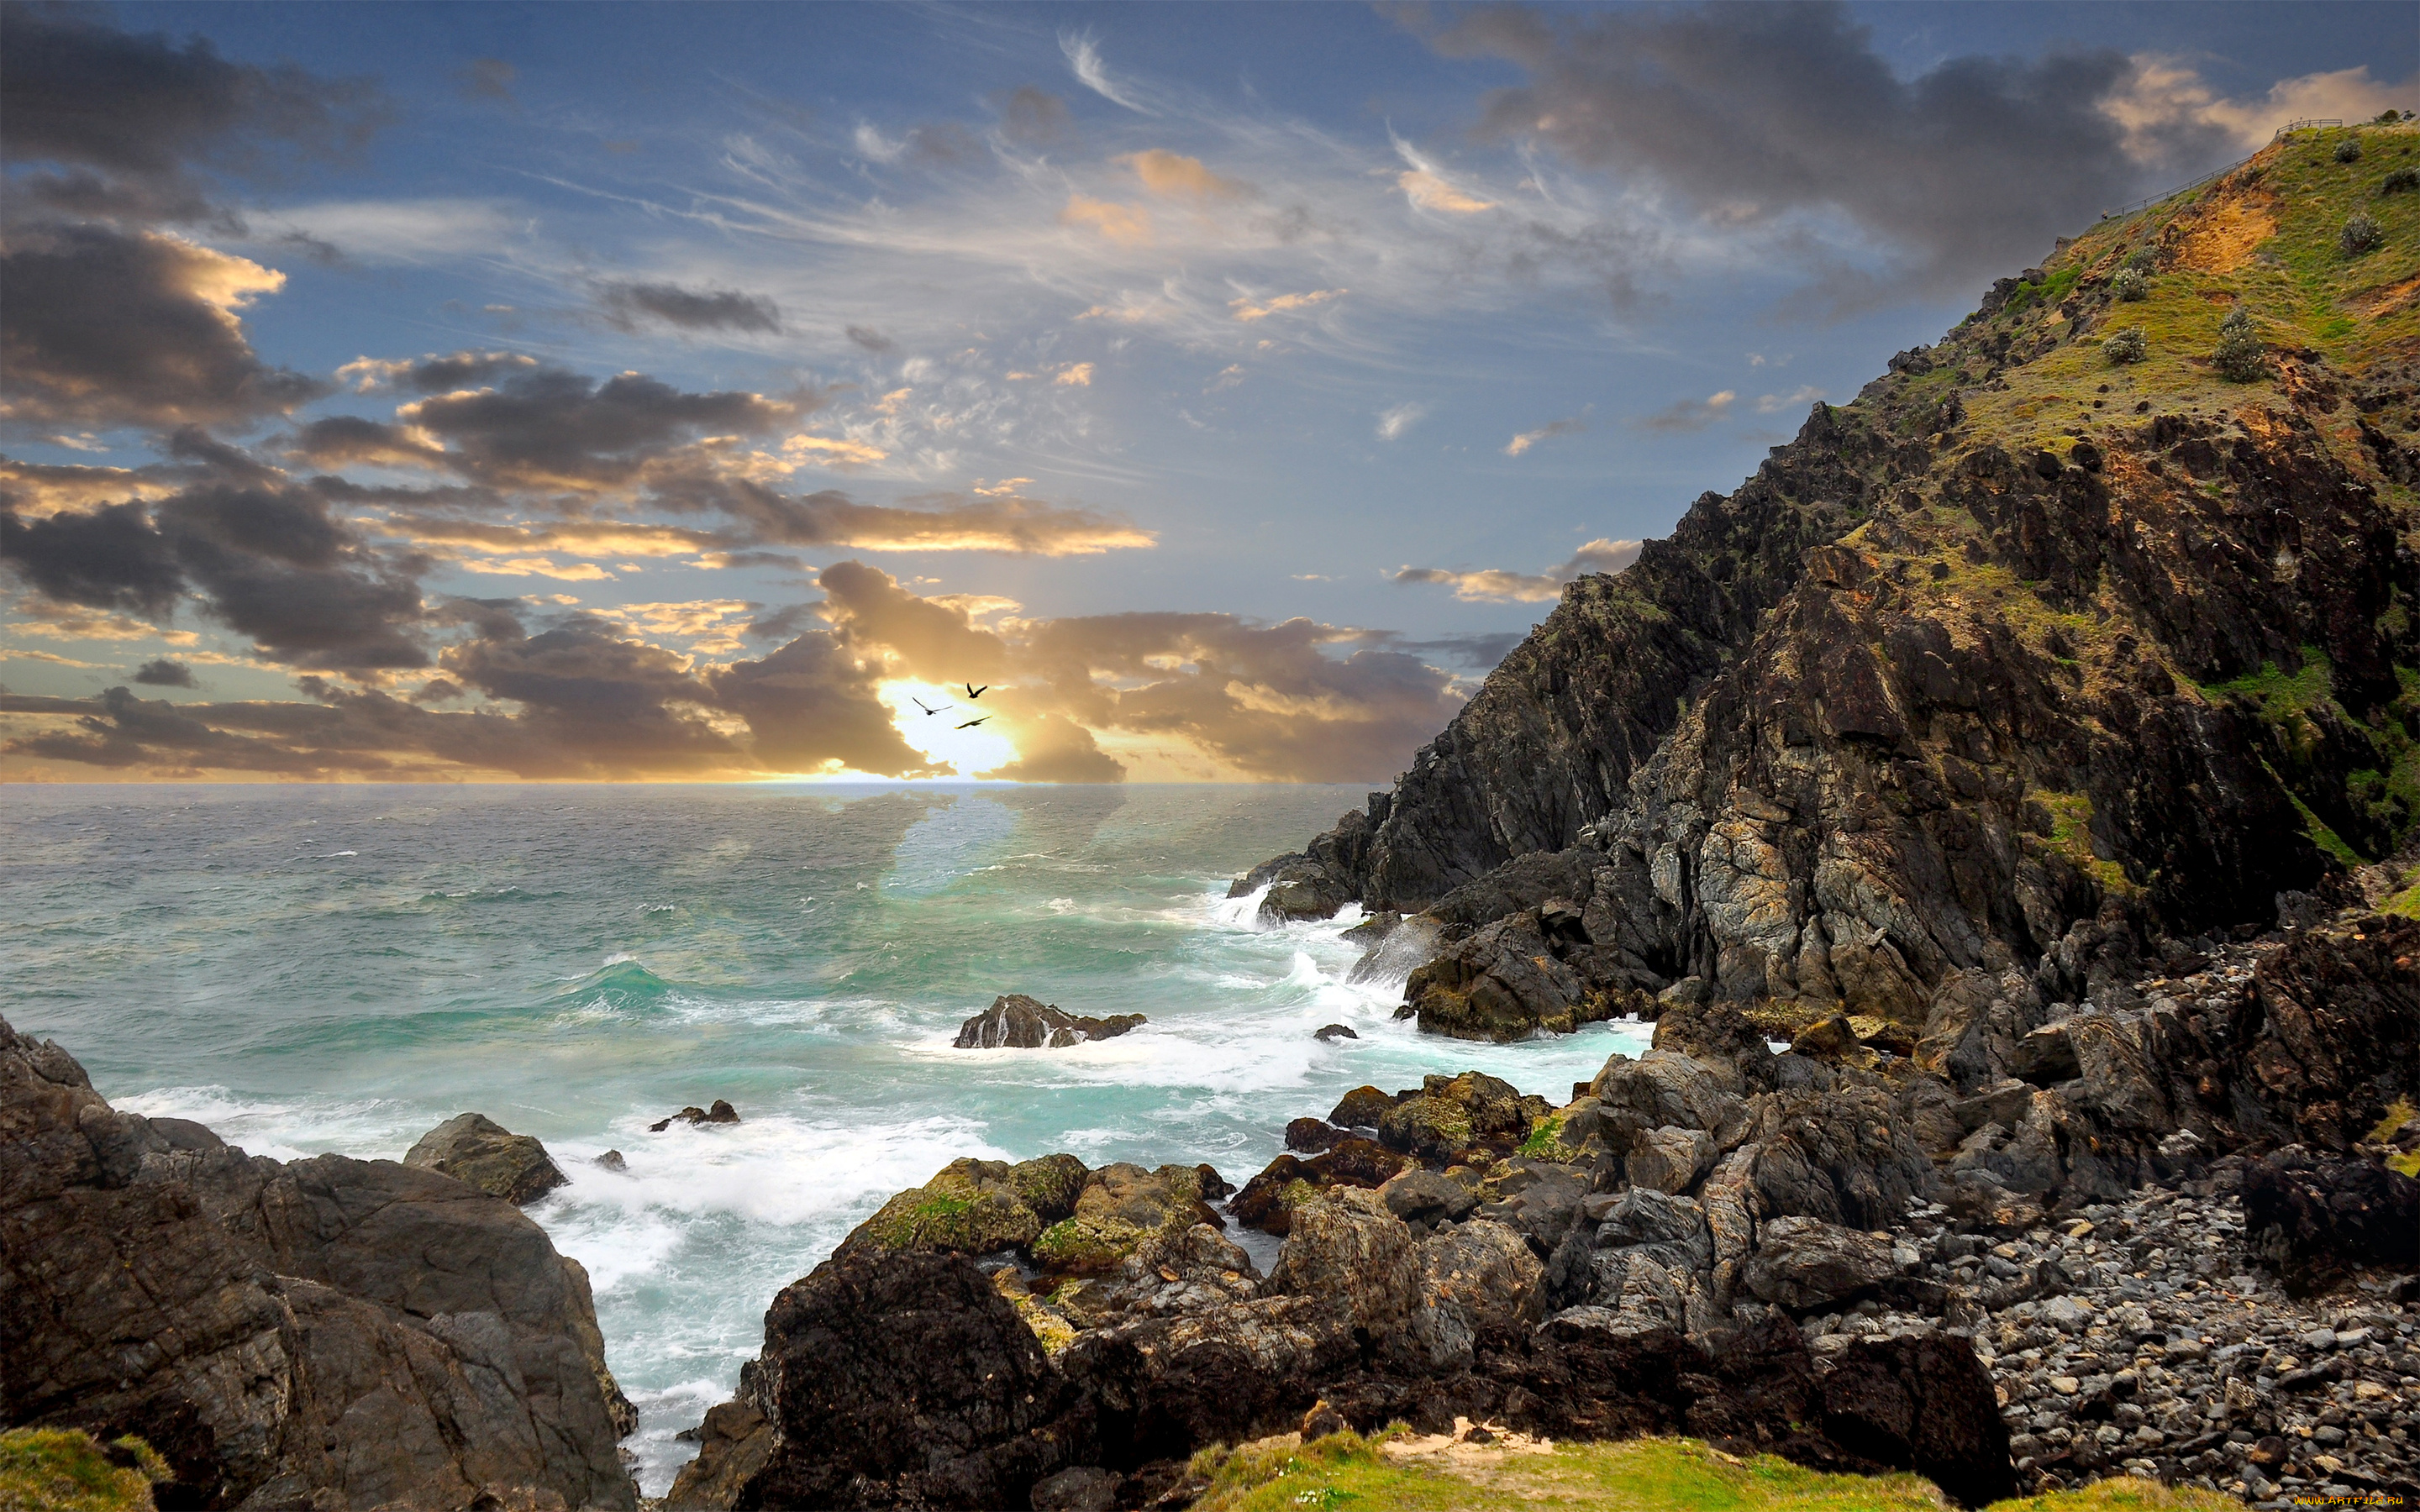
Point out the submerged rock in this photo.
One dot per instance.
(1335, 1031)
(720, 1113)
(475, 1149)
(1018, 1021)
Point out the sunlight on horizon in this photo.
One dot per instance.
(937, 733)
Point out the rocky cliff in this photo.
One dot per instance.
(2032, 661)
(329, 1332)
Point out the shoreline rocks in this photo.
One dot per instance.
(1018, 1021)
(721, 1112)
(478, 1151)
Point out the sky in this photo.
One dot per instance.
(703, 391)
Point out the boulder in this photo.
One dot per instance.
(1346, 1247)
(2045, 1056)
(1311, 1135)
(1925, 1403)
(1121, 1206)
(1480, 1285)
(2315, 1219)
(733, 1444)
(1451, 1115)
(1418, 1194)
(1669, 1160)
(1827, 1039)
(1018, 1021)
(1847, 1157)
(331, 1330)
(476, 1151)
(905, 1379)
(1806, 1265)
(1361, 1108)
(1267, 1200)
(1716, 1033)
(1334, 1031)
(1538, 1199)
(1667, 1087)
(974, 1207)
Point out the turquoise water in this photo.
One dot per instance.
(314, 968)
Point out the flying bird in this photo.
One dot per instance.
(971, 723)
(919, 703)
(974, 692)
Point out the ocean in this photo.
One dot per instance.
(315, 968)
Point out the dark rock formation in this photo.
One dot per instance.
(1021, 1023)
(1334, 1031)
(1804, 1264)
(336, 1329)
(477, 1151)
(896, 1380)
(1267, 1200)
(720, 1113)
(2316, 1219)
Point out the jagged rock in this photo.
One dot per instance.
(1480, 1285)
(1335, 1031)
(1503, 983)
(1267, 1200)
(330, 1328)
(1924, 1403)
(1540, 1200)
(473, 1149)
(720, 1113)
(1018, 1021)
(2047, 1057)
(1419, 1196)
(1665, 1087)
(612, 1160)
(1311, 1135)
(1804, 1264)
(2314, 1218)
(1717, 1034)
(733, 1444)
(904, 1379)
(1121, 1206)
(1669, 1160)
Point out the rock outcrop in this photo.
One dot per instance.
(360, 1333)
(1018, 1021)
(478, 1151)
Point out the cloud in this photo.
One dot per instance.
(2168, 97)
(1084, 57)
(1393, 422)
(1034, 118)
(1805, 394)
(1128, 226)
(627, 305)
(1074, 376)
(1684, 415)
(1479, 652)
(869, 338)
(141, 125)
(486, 78)
(1428, 192)
(1569, 425)
(1754, 111)
(1172, 176)
(107, 328)
(1249, 310)
(165, 674)
(1495, 584)
(1009, 523)
(405, 232)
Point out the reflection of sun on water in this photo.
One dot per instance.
(937, 735)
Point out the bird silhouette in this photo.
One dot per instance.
(971, 723)
(974, 692)
(919, 703)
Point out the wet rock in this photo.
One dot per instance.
(476, 1151)
(1267, 1200)
(1311, 1135)
(1361, 1108)
(1803, 1263)
(722, 1112)
(1018, 1021)
(1503, 983)
(904, 1379)
(1335, 1031)
(612, 1160)
(2315, 1219)
(1450, 1115)
(733, 1444)
(330, 1328)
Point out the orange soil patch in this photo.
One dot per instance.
(2223, 237)
(2389, 298)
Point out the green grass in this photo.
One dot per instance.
(51, 1470)
(2399, 1113)
(2071, 836)
(1638, 1476)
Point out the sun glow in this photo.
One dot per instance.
(983, 748)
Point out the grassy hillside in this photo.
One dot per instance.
(1400, 1472)
(51, 1470)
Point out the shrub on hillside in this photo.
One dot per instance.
(2127, 346)
(2141, 259)
(2400, 181)
(2240, 358)
(2348, 151)
(2359, 235)
(2130, 284)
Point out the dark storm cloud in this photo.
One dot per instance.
(627, 305)
(162, 673)
(262, 555)
(1753, 110)
(811, 702)
(104, 327)
(132, 117)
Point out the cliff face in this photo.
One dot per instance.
(328, 1333)
(2029, 659)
